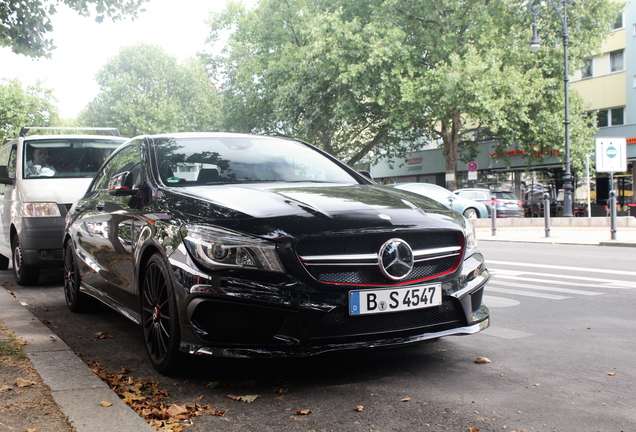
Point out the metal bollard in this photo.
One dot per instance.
(493, 214)
(546, 213)
(613, 213)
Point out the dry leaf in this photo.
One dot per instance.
(212, 384)
(175, 410)
(611, 373)
(246, 398)
(482, 360)
(406, 399)
(106, 404)
(31, 430)
(359, 408)
(5, 388)
(473, 429)
(21, 382)
(303, 412)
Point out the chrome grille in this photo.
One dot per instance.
(353, 260)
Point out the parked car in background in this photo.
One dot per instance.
(239, 245)
(469, 208)
(40, 177)
(507, 204)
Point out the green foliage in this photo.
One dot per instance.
(143, 90)
(19, 107)
(24, 24)
(378, 77)
(10, 346)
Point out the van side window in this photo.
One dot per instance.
(7, 157)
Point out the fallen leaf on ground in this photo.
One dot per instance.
(21, 382)
(359, 408)
(482, 360)
(406, 399)
(5, 388)
(611, 373)
(106, 404)
(473, 429)
(102, 335)
(303, 412)
(246, 398)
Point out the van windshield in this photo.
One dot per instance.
(66, 157)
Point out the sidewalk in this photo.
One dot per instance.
(74, 387)
(70, 380)
(581, 231)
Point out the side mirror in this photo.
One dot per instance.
(121, 184)
(367, 174)
(4, 175)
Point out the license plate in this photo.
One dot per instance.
(394, 300)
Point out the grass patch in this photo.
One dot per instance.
(10, 345)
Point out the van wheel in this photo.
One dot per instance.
(4, 262)
(24, 274)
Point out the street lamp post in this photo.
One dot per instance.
(535, 44)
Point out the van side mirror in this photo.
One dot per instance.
(4, 175)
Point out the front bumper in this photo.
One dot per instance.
(230, 316)
(41, 241)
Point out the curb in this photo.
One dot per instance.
(75, 388)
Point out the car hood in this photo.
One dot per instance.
(280, 210)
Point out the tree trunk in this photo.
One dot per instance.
(450, 139)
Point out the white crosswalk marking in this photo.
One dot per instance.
(497, 281)
(557, 267)
(524, 293)
(600, 282)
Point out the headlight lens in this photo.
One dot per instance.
(471, 238)
(40, 209)
(219, 249)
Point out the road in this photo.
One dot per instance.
(561, 350)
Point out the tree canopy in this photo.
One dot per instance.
(378, 78)
(143, 90)
(24, 24)
(20, 106)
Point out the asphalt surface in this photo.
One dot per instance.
(70, 379)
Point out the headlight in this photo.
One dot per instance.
(471, 238)
(219, 249)
(40, 210)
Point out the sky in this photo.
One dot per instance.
(84, 46)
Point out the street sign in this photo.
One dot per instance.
(611, 155)
(472, 166)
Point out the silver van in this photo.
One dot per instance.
(41, 176)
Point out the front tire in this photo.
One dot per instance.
(76, 300)
(159, 317)
(24, 274)
(471, 214)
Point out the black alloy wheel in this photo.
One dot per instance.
(76, 300)
(24, 274)
(159, 317)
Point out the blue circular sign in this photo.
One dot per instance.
(472, 166)
(611, 152)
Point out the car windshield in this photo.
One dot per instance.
(220, 160)
(66, 157)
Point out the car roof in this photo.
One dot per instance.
(71, 136)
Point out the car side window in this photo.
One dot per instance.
(126, 159)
